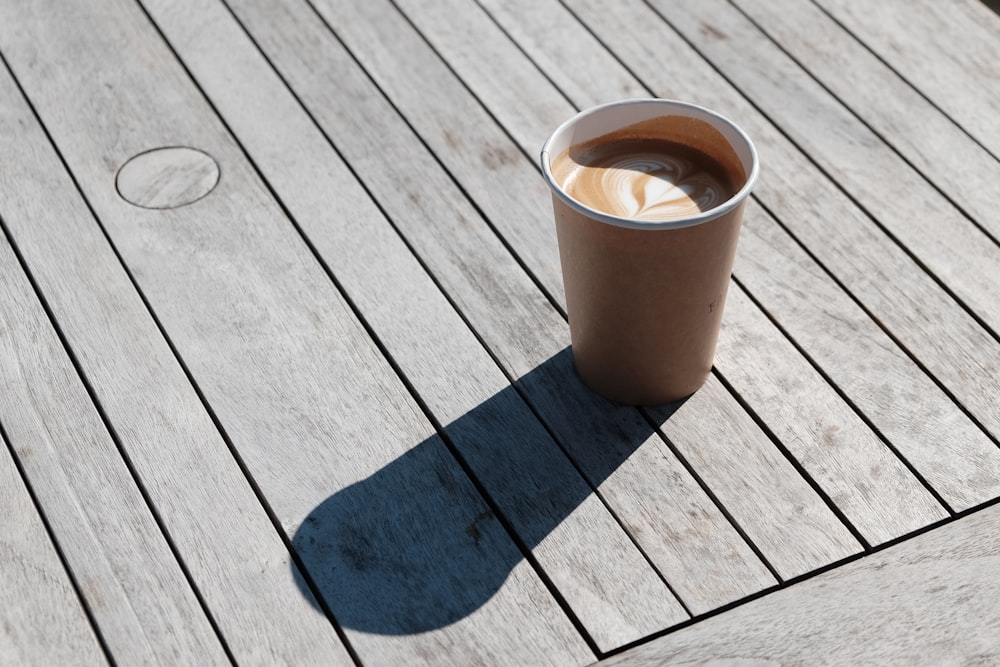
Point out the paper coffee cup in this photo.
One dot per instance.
(645, 298)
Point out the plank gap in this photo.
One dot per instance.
(837, 184)
(874, 130)
(98, 406)
(465, 193)
(896, 341)
(843, 395)
(896, 71)
(105, 649)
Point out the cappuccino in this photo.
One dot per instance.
(636, 173)
(648, 196)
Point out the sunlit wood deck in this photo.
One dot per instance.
(284, 363)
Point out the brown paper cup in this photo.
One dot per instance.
(645, 299)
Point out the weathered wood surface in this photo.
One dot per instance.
(903, 505)
(322, 361)
(42, 620)
(127, 575)
(931, 227)
(525, 333)
(278, 354)
(892, 289)
(943, 153)
(948, 51)
(821, 537)
(499, 437)
(928, 601)
(229, 544)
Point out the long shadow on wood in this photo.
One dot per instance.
(414, 547)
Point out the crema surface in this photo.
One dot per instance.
(643, 179)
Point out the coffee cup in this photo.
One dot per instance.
(648, 196)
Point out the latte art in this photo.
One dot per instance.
(654, 186)
(643, 179)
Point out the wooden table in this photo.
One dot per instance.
(284, 357)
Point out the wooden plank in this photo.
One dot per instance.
(828, 540)
(921, 132)
(41, 619)
(321, 421)
(949, 51)
(453, 28)
(522, 329)
(602, 78)
(229, 545)
(459, 130)
(133, 585)
(928, 601)
(923, 220)
(795, 484)
(873, 489)
(890, 286)
(950, 452)
(572, 535)
(901, 505)
(862, 477)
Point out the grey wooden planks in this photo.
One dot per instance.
(458, 129)
(500, 438)
(862, 477)
(928, 601)
(827, 534)
(229, 545)
(547, 31)
(42, 621)
(948, 51)
(142, 604)
(892, 288)
(932, 229)
(817, 520)
(525, 333)
(713, 564)
(320, 419)
(897, 512)
(920, 131)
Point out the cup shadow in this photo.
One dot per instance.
(414, 547)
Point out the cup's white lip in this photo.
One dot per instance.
(631, 223)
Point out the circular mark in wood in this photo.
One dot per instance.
(167, 177)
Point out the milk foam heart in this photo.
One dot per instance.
(643, 179)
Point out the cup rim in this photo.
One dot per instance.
(631, 223)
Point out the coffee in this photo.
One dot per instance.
(639, 174)
(647, 196)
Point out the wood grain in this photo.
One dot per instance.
(928, 601)
(459, 129)
(133, 585)
(816, 517)
(324, 425)
(453, 32)
(827, 538)
(532, 26)
(863, 478)
(552, 508)
(527, 336)
(955, 457)
(930, 227)
(41, 618)
(948, 51)
(920, 131)
(878, 274)
(167, 177)
(229, 545)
